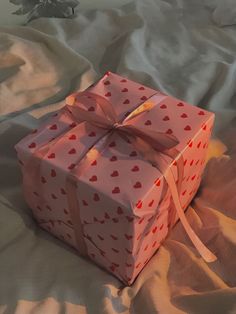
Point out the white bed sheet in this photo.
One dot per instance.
(171, 45)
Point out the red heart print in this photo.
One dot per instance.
(166, 118)
(94, 163)
(124, 90)
(63, 191)
(32, 145)
(72, 151)
(91, 108)
(115, 250)
(191, 163)
(92, 134)
(72, 137)
(66, 211)
(180, 104)
(184, 192)
(175, 163)
(123, 81)
(141, 220)
(49, 208)
(112, 144)
(102, 252)
(139, 236)
(137, 266)
(154, 244)
(199, 144)
(43, 180)
(73, 124)
(107, 83)
(107, 216)
(96, 197)
(201, 113)
(157, 182)
(204, 127)
(53, 173)
(141, 88)
(135, 169)
(133, 154)
(154, 229)
(193, 177)
(183, 115)
(93, 179)
(187, 128)
(169, 131)
(85, 203)
(113, 158)
(185, 162)
(53, 196)
(145, 249)
(112, 268)
(151, 203)
(115, 220)
(113, 237)
(128, 251)
(163, 106)
(128, 237)
(143, 98)
(71, 166)
(126, 102)
(114, 174)
(137, 185)
(119, 210)
(116, 190)
(51, 156)
(148, 122)
(53, 127)
(100, 237)
(129, 218)
(139, 204)
(190, 143)
(108, 94)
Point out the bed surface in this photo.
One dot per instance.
(170, 45)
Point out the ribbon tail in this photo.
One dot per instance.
(205, 253)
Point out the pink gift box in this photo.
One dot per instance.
(124, 205)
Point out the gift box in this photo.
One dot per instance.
(112, 172)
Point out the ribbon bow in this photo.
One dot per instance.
(151, 143)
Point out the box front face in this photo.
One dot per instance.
(119, 192)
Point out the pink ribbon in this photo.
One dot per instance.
(153, 145)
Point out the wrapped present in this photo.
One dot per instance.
(113, 171)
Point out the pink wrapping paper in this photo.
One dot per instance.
(120, 195)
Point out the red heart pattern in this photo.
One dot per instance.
(72, 137)
(135, 168)
(118, 215)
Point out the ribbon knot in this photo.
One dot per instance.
(117, 125)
